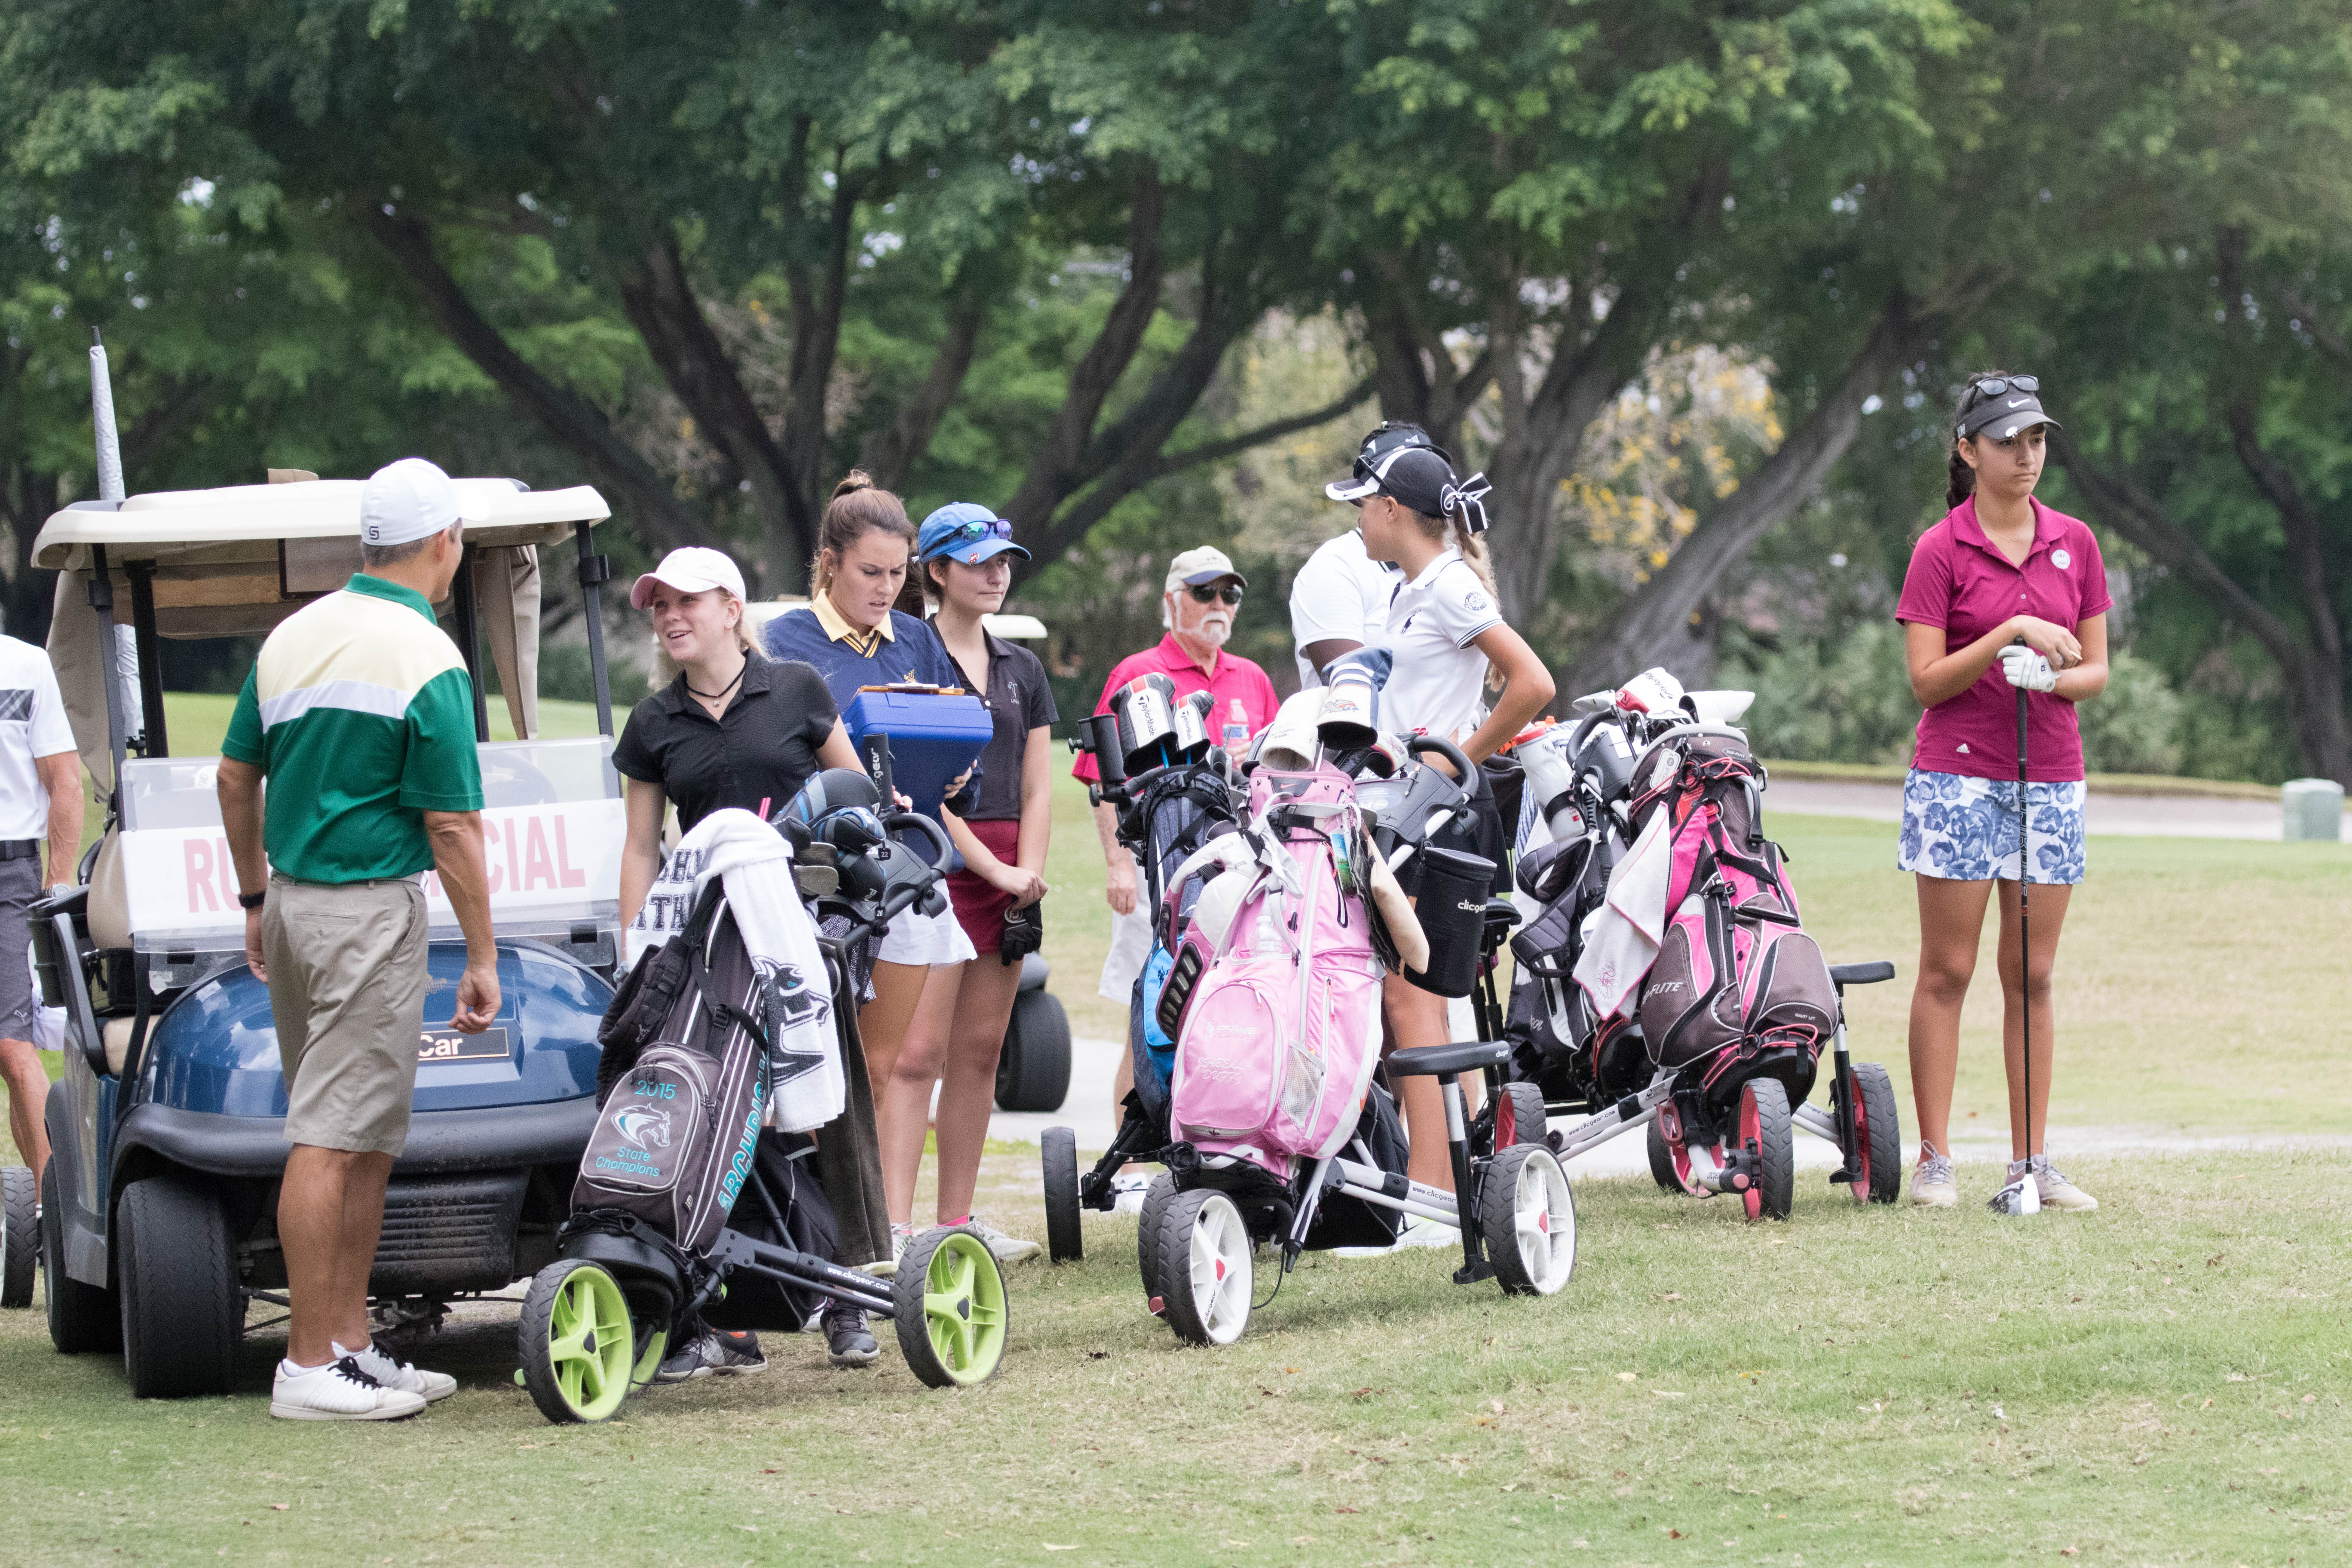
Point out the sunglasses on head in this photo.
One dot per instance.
(1994, 385)
(972, 533)
(1207, 594)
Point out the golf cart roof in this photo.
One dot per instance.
(235, 562)
(189, 527)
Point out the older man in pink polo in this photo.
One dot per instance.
(1197, 606)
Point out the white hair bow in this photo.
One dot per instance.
(1467, 499)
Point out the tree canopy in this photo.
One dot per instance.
(710, 258)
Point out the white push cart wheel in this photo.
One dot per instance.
(1529, 1219)
(1205, 1273)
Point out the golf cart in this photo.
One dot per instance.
(158, 1224)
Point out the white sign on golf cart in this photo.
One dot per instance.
(552, 826)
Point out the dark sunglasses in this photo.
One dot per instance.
(1994, 385)
(1206, 595)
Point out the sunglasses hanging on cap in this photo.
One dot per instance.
(978, 529)
(1208, 594)
(1994, 385)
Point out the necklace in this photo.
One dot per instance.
(720, 695)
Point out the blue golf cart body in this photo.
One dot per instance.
(168, 1124)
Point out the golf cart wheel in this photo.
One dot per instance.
(579, 1355)
(1661, 1160)
(1205, 1269)
(1033, 1072)
(1880, 1178)
(1156, 1199)
(1530, 1220)
(949, 1308)
(1065, 1240)
(1520, 1117)
(1764, 1132)
(182, 1316)
(83, 1320)
(20, 1236)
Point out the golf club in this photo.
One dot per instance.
(2023, 1196)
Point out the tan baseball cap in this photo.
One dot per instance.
(1204, 564)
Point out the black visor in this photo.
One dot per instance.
(2004, 414)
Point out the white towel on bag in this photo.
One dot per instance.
(755, 865)
(1621, 938)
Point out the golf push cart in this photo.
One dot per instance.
(158, 1220)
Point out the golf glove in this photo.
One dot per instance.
(2028, 670)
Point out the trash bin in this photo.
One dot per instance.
(2314, 809)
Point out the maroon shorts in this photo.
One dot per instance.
(979, 904)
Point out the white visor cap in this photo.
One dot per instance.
(695, 568)
(406, 501)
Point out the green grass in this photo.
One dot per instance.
(2163, 1382)
(2160, 1383)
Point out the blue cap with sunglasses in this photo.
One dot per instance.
(966, 531)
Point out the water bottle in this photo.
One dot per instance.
(1236, 728)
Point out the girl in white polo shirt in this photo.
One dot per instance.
(1446, 633)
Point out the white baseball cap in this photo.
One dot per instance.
(696, 569)
(406, 501)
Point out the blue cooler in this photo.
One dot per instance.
(934, 736)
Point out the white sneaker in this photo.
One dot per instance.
(1422, 1231)
(1127, 1193)
(1933, 1184)
(400, 1375)
(2057, 1191)
(337, 1391)
(901, 1237)
(1008, 1249)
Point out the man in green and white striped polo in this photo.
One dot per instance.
(360, 713)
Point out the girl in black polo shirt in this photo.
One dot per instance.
(736, 729)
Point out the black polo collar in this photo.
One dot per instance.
(759, 671)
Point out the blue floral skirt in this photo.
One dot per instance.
(1965, 829)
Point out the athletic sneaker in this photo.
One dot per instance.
(1932, 1185)
(723, 1352)
(901, 1237)
(382, 1366)
(1421, 1231)
(2057, 1191)
(339, 1390)
(846, 1336)
(1007, 1250)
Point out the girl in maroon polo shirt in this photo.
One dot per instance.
(2000, 567)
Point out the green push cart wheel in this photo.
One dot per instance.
(578, 1354)
(949, 1309)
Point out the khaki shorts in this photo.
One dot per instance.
(347, 984)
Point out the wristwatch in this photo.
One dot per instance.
(251, 901)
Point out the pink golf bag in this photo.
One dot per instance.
(1276, 1009)
(1737, 980)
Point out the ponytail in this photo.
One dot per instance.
(1473, 550)
(858, 508)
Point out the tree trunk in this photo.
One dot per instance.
(1652, 624)
(888, 453)
(2315, 686)
(1061, 464)
(660, 517)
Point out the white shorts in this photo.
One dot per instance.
(916, 938)
(1130, 946)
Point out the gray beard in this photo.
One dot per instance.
(1213, 630)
